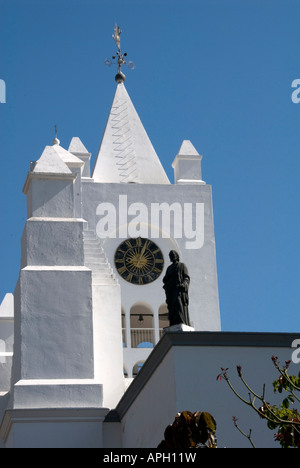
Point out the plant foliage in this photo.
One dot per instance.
(283, 418)
(190, 430)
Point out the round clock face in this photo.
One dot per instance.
(139, 261)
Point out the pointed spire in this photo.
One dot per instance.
(50, 165)
(51, 162)
(188, 149)
(77, 147)
(126, 153)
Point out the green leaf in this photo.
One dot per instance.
(285, 403)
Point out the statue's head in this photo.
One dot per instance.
(174, 257)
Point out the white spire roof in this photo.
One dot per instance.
(77, 147)
(68, 158)
(55, 161)
(188, 149)
(51, 162)
(126, 153)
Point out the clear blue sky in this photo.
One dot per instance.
(215, 72)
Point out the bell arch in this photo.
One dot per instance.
(137, 367)
(142, 325)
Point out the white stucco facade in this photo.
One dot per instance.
(129, 177)
(80, 332)
(6, 341)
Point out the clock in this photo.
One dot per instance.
(139, 261)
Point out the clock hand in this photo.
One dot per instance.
(141, 254)
(143, 249)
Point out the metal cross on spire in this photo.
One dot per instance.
(56, 140)
(120, 77)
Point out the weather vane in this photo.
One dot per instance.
(119, 57)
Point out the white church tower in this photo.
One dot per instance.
(89, 302)
(130, 197)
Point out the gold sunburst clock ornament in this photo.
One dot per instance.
(139, 261)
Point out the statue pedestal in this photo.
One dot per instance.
(179, 327)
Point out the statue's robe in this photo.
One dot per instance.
(176, 285)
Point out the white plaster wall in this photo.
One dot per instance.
(50, 198)
(6, 350)
(52, 241)
(5, 371)
(77, 192)
(86, 168)
(112, 435)
(54, 330)
(108, 351)
(144, 423)
(55, 435)
(57, 393)
(65, 428)
(187, 168)
(6, 341)
(186, 380)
